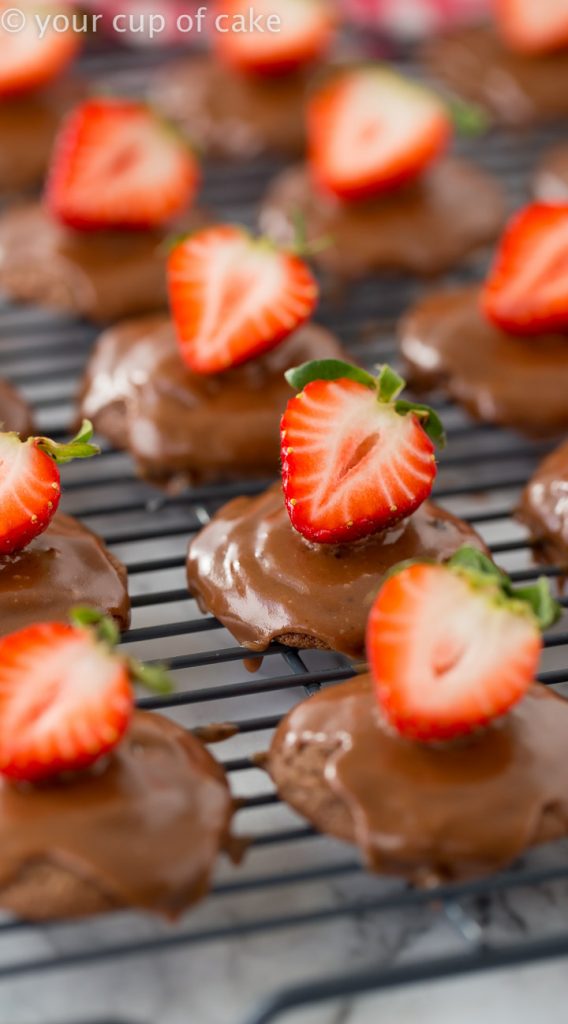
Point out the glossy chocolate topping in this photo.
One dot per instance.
(498, 377)
(515, 87)
(551, 179)
(232, 115)
(27, 130)
(101, 275)
(544, 506)
(65, 566)
(139, 393)
(264, 581)
(430, 813)
(425, 227)
(145, 828)
(15, 414)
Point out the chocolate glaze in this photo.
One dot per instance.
(65, 566)
(431, 813)
(144, 829)
(232, 115)
(139, 393)
(101, 275)
(424, 227)
(516, 88)
(15, 414)
(27, 130)
(264, 581)
(551, 179)
(544, 506)
(498, 377)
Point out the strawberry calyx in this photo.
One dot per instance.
(388, 385)
(79, 447)
(155, 678)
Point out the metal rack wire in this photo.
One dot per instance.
(480, 477)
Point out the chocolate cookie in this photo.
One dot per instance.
(551, 178)
(544, 506)
(521, 382)
(102, 275)
(430, 813)
(27, 129)
(65, 566)
(265, 582)
(426, 227)
(15, 414)
(231, 115)
(517, 88)
(177, 424)
(143, 830)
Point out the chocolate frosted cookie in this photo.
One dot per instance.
(140, 395)
(551, 178)
(265, 582)
(517, 88)
(544, 506)
(501, 378)
(101, 275)
(65, 566)
(15, 414)
(425, 227)
(141, 830)
(27, 130)
(233, 115)
(431, 813)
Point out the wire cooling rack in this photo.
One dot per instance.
(295, 885)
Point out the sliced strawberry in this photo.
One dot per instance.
(533, 26)
(369, 130)
(527, 289)
(233, 296)
(116, 165)
(355, 458)
(30, 486)
(286, 34)
(453, 647)
(28, 58)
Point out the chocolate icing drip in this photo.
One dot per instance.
(264, 581)
(102, 275)
(232, 115)
(551, 179)
(144, 829)
(66, 565)
(501, 378)
(15, 414)
(544, 506)
(425, 227)
(516, 88)
(139, 393)
(428, 812)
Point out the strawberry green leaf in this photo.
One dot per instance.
(105, 628)
(546, 610)
(431, 422)
(538, 597)
(389, 384)
(468, 118)
(79, 447)
(154, 677)
(327, 369)
(475, 561)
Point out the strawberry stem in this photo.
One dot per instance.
(389, 384)
(468, 118)
(154, 677)
(78, 448)
(536, 598)
(301, 245)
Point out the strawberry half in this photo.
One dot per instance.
(356, 459)
(30, 485)
(452, 647)
(116, 165)
(527, 289)
(286, 34)
(65, 696)
(533, 26)
(369, 130)
(28, 60)
(233, 296)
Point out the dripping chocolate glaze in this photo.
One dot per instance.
(264, 581)
(424, 227)
(502, 378)
(144, 829)
(65, 566)
(429, 813)
(544, 506)
(516, 88)
(177, 424)
(15, 414)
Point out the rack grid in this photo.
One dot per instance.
(480, 476)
